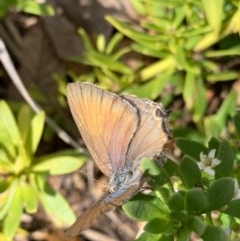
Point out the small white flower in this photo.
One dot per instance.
(208, 162)
(236, 189)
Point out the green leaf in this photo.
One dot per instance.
(30, 197)
(214, 12)
(56, 206)
(213, 144)
(189, 90)
(114, 43)
(233, 208)
(191, 174)
(24, 121)
(197, 225)
(195, 200)
(213, 233)
(8, 122)
(35, 133)
(12, 220)
(33, 7)
(7, 198)
(59, 163)
(157, 225)
(217, 198)
(152, 237)
(236, 120)
(152, 88)
(176, 202)
(225, 155)
(144, 207)
(105, 61)
(191, 148)
(7, 146)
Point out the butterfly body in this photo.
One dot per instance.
(118, 131)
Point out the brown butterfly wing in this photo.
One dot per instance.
(106, 122)
(152, 132)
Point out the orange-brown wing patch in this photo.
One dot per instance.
(106, 122)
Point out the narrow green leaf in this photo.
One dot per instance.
(9, 197)
(59, 163)
(12, 220)
(30, 198)
(56, 206)
(6, 143)
(114, 43)
(214, 12)
(7, 120)
(35, 133)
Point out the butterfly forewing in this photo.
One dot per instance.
(106, 122)
(152, 132)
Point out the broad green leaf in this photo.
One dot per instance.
(195, 200)
(191, 148)
(157, 225)
(144, 208)
(191, 174)
(176, 202)
(197, 225)
(59, 163)
(233, 208)
(12, 220)
(8, 122)
(213, 143)
(213, 233)
(152, 237)
(183, 234)
(56, 206)
(217, 198)
(225, 155)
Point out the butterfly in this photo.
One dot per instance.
(118, 130)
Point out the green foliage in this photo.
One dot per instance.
(27, 6)
(23, 176)
(193, 195)
(182, 45)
